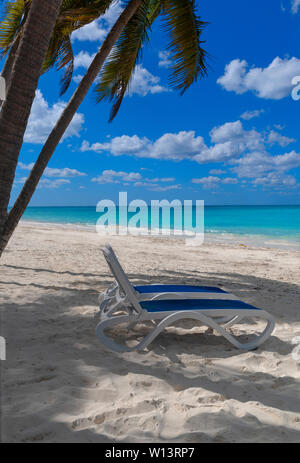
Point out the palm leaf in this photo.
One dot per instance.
(185, 29)
(74, 14)
(189, 59)
(15, 16)
(118, 70)
(66, 60)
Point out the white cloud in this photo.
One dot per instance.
(164, 59)
(275, 179)
(255, 164)
(248, 115)
(217, 172)
(53, 172)
(98, 29)
(77, 79)
(154, 184)
(207, 181)
(295, 6)
(23, 166)
(277, 138)
(118, 146)
(156, 187)
(143, 82)
(95, 31)
(46, 183)
(213, 182)
(229, 181)
(66, 172)
(83, 59)
(222, 133)
(273, 82)
(230, 141)
(279, 126)
(235, 73)
(157, 179)
(111, 15)
(20, 180)
(244, 151)
(43, 117)
(183, 145)
(112, 176)
(166, 188)
(135, 178)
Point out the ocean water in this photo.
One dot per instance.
(267, 223)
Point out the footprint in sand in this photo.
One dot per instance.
(99, 419)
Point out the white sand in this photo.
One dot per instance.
(59, 384)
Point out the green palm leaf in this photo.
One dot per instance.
(185, 29)
(15, 16)
(189, 59)
(181, 22)
(118, 70)
(74, 14)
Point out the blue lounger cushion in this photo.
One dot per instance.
(194, 304)
(177, 289)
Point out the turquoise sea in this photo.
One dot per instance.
(280, 223)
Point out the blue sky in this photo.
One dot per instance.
(231, 139)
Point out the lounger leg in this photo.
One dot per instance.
(212, 324)
(108, 342)
(110, 322)
(260, 339)
(232, 321)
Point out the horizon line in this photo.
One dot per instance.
(206, 205)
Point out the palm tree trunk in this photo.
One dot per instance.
(24, 80)
(8, 66)
(63, 123)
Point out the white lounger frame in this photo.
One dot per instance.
(122, 296)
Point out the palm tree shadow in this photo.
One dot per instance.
(56, 331)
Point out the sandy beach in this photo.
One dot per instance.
(59, 384)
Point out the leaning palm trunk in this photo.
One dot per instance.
(8, 66)
(65, 119)
(21, 91)
(10, 60)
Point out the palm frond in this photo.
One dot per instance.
(185, 28)
(73, 15)
(118, 70)
(66, 61)
(15, 13)
(189, 59)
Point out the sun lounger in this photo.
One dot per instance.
(166, 304)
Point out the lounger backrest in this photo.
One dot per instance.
(121, 277)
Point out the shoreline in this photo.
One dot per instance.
(255, 241)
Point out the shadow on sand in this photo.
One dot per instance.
(69, 357)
